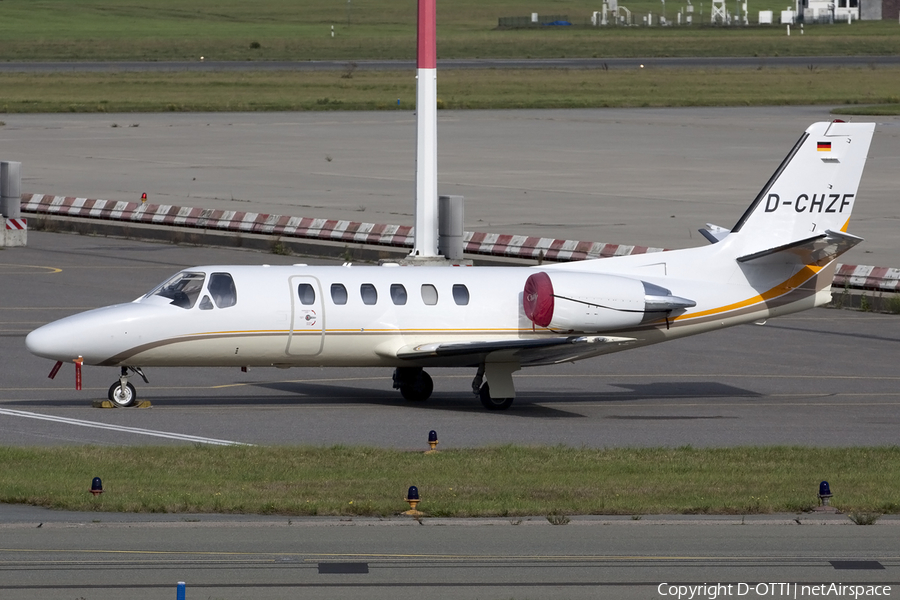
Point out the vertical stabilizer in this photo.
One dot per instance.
(814, 189)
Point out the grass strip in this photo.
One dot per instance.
(386, 29)
(457, 89)
(497, 481)
(886, 110)
(400, 43)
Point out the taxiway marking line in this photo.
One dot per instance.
(121, 428)
(315, 556)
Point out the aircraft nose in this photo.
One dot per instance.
(49, 341)
(95, 335)
(74, 336)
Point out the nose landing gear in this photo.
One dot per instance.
(122, 393)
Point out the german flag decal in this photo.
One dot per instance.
(823, 146)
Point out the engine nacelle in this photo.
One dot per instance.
(570, 301)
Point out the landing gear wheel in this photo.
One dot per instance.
(122, 397)
(418, 389)
(493, 403)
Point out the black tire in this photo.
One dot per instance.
(419, 389)
(122, 397)
(493, 403)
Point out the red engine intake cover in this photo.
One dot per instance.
(538, 299)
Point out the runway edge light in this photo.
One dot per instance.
(96, 486)
(412, 498)
(825, 493)
(432, 441)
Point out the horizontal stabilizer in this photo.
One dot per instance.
(714, 233)
(525, 351)
(817, 250)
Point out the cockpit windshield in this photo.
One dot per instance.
(183, 289)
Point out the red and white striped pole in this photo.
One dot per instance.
(426, 238)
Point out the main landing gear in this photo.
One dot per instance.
(122, 393)
(416, 385)
(482, 389)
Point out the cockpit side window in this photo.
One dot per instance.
(183, 289)
(221, 288)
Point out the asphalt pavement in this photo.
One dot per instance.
(824, 377)
(95, 556)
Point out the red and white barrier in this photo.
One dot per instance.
(868, 278)
(14, 232)
(401, 236)
(221, 220)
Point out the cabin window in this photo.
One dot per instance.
(306, 293)
(398, 294)
(183, 289)
(369, 293)
(338, 293)
(460, 294)
(429, 294)
(221, 288)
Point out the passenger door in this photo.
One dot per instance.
(307, 317)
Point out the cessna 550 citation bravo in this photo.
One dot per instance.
(778, 259)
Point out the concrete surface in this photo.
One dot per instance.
(647, 176)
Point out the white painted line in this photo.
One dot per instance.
(122, 428)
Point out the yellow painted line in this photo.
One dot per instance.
(330, 380)
(49, 270)
(48, 307)
(141, 552)
(492, 557)
(48, 389)
(91, 267)
(717, 403)
(699, 375)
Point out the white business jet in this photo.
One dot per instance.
(778, 259)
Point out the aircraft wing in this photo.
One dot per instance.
(541, 351)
